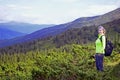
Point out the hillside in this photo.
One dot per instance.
(84, 19)
(44, 33)
(84, 35)
(69, 62)
(47, 32)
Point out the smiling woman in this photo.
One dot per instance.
(100, 47)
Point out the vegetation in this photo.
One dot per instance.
(69, 62)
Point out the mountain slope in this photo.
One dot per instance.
(9, 34)
(23, 27)
(46, 32)
(52, 31)
(69, 62)
(84, 19)
(84, 35)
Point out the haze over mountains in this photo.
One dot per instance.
(12, 29)
(26, 28)
(58, 29)
(9, 34)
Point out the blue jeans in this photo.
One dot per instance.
(99, 61)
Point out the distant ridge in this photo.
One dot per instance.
(9, 34)
(23, 27)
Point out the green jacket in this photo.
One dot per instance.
(100, 45)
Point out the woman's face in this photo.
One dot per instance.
(100, 31)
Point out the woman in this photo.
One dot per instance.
(100, 46)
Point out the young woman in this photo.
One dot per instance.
(100, 46)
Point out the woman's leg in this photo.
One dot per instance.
(99, 61)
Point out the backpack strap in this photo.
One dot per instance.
(101, 38)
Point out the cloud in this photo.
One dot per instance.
(28, 14)
(118, 3)
(13, 12)
(3, 12)
(56, 12)
(13, 6)
(100, 9)
(65, 1)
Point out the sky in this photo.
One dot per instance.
(53, 11)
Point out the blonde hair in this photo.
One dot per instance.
(101, 27)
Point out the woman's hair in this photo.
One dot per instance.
(101, 27)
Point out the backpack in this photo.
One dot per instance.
(108, 47)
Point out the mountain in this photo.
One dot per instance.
(84, 19)
(60, 29)
(83, 35)
(46, 32)
(23, 27)
(53, 31)
(9, 34)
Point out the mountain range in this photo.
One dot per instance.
(26, 28)
(82, 24)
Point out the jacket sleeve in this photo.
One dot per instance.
(103, 42)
